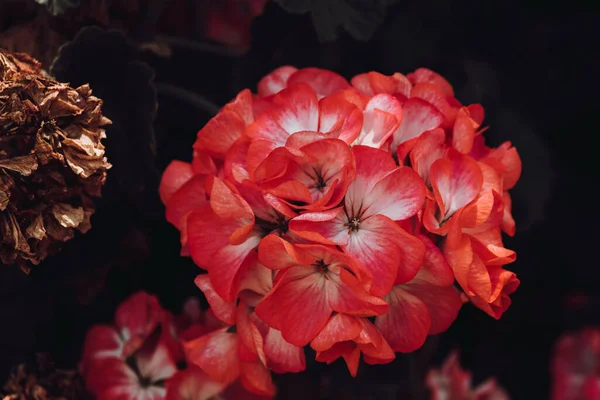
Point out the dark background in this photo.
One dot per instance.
(533, 67)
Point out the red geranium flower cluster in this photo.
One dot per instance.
(576, 366)
(338, 215)
(140, 356)
(451, 382)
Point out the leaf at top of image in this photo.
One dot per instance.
(109, 63)
(360, 18)
(57, 7)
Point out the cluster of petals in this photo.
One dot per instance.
(141, 355)
(576, 366)
(451, 382)
(339, 214)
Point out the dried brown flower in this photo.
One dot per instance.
(44, 382)
(51, 160)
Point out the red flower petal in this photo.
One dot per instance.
(443, 304)
(223, 310)
(463, 132)
(276, 253)
(339, 328)
(346, 294)
(176, 175)
(326, 227)
(212, 249)
(407, 324)
(427, 75)
(373, 83)
(508, 223)
(377, 245)
(242, 106)
(216, 354)
(322, 81)
(256, 378)
(202, 163)
(220, 133)
(297, 306)
(189, 197)
(434, 94)
(428, 148)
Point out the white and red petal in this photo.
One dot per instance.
(154, 359)
(101, 342)
(377, 246)
(382, 116)
(113, 379)
(275, 81)
(371, 166)
(283, 356)
(326, 227)
(336, 114)
(192, 384)
(398, 195)
(428, 148)
(418, 116)
(136, 318)
(456, 181)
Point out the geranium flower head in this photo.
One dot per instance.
(340, 214)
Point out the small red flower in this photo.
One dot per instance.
(364, 226)
(131, 359)
(454, 383)
(576, 366)
(314, 282)
(347, 337)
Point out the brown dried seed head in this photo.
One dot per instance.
(51, 160)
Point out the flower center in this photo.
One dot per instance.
(279, 225)
(321, 266)
(353, 224)
(145, 381)
(319, 181)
